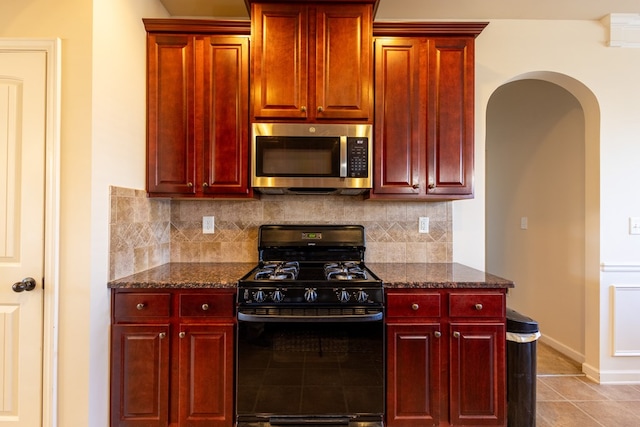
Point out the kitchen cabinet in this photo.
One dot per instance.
(424, 111)
(172, 358)
(197, 108)
(446, 362)
(312, 61)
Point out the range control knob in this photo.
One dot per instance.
(277, 295)
(343, 295)
(259, 296)
(362, 296)
(310, 294)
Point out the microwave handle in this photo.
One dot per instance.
(343, 156)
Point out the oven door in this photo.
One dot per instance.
(310, 373)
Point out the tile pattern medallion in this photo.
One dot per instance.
(148, 232)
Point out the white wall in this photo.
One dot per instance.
(118, 158)
(507, 49)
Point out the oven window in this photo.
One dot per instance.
(310, 369)
(297, 156)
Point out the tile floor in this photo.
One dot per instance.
(566, 398)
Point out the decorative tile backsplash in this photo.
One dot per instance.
(147, 232)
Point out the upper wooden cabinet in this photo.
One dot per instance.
(312, 61)
(198, 108)
(424, 117)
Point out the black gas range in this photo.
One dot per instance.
(311, 272)
(310, 346)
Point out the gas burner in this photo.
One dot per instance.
(278, 271)
(344, 271)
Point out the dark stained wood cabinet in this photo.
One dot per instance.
(446, 362)
(312, 61)
(198, 108)
(172, 358)
(424, 111)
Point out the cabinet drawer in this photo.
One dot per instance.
(139, 305)
(411, 304)
(207, 304)
(476, 305)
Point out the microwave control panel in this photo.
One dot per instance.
(357, 157)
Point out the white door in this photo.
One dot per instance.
(22, 203)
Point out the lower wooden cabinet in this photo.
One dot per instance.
(446, 362)
(172, 358)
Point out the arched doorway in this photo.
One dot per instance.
(542, 205)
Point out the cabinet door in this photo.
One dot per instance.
(450, 117)
(279, 61)
(225, 104)
(400, 125)
(413, 375)
(343, 62)
(206, 375)
(477, 374)
(140, 376)
(171, 152)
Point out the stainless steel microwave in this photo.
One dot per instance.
(311, 158)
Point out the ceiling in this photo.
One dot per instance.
(424, 10)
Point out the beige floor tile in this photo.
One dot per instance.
(609, 413)
(544, 393)
(564, 414)
(572, 388)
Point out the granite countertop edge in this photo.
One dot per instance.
(393, 275)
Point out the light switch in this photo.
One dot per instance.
(524, 223)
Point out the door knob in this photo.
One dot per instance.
(27, 284)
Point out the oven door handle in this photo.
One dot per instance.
(351, 318)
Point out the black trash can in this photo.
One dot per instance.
(522, 337)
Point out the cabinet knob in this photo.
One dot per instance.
(141, 306)
(205, 307)
(478, 306)
(162, 335)
(303, 109)
(320, 109)
(456, 334)
(182, 334)
(204, 184)
(437, 334)
(415, 186)
(431, 185)
(189, 184)
(415, 307)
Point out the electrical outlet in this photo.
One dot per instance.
(524, 223)
(423, 224)
(208, 225)
(634, 225)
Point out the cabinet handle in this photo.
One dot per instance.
(431, 185)
(303, 109)
(204, 184)
(182, 334)
(415, 186)
(437, 334)
(320, 109)
(162, 335)
(478, 306)
(189, 184)
(205, 307)
(456, 334)
(141, 306)
(415, 307)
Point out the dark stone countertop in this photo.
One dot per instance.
(394, 275)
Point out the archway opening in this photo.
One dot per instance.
(542, 138)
